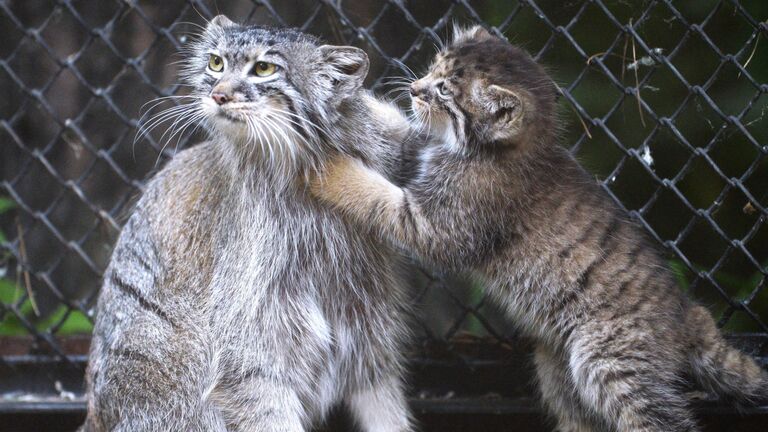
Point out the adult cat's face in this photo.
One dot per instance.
(271, 91)
(482, 90)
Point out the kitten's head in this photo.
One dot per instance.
(481, 90)
(271, 92)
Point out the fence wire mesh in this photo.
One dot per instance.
(663, 101)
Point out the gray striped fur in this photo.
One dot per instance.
(496, 196)
(234, 302)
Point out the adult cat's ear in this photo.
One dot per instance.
(501, 100)
(347, 67)
(221, 21)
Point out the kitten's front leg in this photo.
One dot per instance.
(381, 408)
(369, 199)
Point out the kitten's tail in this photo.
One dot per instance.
(719, 367)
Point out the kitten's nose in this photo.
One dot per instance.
(220, 98)
(415, 90)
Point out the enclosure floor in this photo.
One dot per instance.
(432, 415)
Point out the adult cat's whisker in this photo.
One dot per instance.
(145, 129)
(192, 118)
(302, 121)
(179, 117)
(287, 122)
(188, 118)
(280, 135)
(161, 99)
(226, 230)
(141, 122)
(257, 134)
(308, 131)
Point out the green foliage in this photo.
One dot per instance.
(66, 322)
(74, 322)
(737, 286)
(6, 204)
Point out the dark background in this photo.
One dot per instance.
(686, 155)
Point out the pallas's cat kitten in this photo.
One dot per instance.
(497, 196)
(233, 301)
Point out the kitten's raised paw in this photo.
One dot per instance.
(328, 183)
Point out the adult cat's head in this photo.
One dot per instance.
(271, 92)
(483, 91)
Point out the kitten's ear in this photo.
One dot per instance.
(347, 66)
(498, 98)
(476, 33)
(221, 21)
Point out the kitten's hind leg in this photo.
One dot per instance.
(381, 408)
(632, 390)
(558, 393)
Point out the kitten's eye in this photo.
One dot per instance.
(215, 63)
(263, 69)
(443, 89)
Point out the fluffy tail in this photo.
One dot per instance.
(721, 368)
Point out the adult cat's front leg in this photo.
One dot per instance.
(381, 407)
(261, 403)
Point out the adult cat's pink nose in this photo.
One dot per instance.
(220, 98)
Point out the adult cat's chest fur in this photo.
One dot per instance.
(294, 288)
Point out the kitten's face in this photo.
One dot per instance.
(483, 90)
(271, 91)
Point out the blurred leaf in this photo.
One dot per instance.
(680, 271)
(75, 323)
(9, 292)
(6, 204)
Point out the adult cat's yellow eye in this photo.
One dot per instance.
(215, 63)
(264, 69)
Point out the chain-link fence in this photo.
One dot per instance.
(664, 102)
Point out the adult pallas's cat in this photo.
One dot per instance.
(498, 197)
(233, 301)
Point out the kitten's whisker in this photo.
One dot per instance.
(396, 78)
(400, 97)
(404, 67)
(402, 89)
(193, 24)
